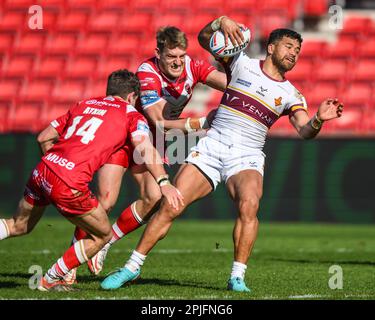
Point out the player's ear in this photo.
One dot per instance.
(131, 98)
(270, 48)
(157, 53)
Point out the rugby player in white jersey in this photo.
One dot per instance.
(256, 96)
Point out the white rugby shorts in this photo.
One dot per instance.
(218, 161)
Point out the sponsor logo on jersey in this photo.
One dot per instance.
(149, 97)
(261, 91)
(102, 103)
(110, 98)
(278, 101)
(243, 82)
(54, 158)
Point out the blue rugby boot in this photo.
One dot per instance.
(237, 284)
(119, 278)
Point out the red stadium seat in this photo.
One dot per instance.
(332, 70)
(319, 92)
(103, 21)
(313, 49)
(96, 88)
(315, 8)
(6, 42)
(136, 23)
(92, 44)
(60, 44)
(200, 20)
(12, 21)
(25, 117)
(18, 66)
(87, 5)
(36, 90)
(346, 48)
(290, 6)
(80, 67)
(113, 4)
(270, 20)
(145, 5)
(365, 70)
(214, 6)
(302, 71)
(111, 64)
(241, 6)
(184, 6)
(367, 49)
(356, 25)
(17, 4)
(69, 91)
(30, 43)
(358, 94)
(50, 67)
(125, 45)
(9, 88)
(72, 21)
(171, 19)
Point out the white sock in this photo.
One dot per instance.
(238, 270)
(136, 261)
(4, 230)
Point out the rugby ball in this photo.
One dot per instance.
(218, 48)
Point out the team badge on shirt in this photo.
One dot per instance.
(278, 101)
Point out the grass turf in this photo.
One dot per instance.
(290, 261)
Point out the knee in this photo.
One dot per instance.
(169, 212)
(151, 200)
(248, 208)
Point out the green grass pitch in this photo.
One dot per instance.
(290, 261)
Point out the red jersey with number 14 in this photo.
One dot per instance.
(89, 133)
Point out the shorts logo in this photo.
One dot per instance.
(195, 154)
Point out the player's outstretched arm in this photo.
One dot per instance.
(309, 128)
(47, 138)
(155, 114)
(229, 27)
(154, 164)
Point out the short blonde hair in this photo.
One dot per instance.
(170, 37)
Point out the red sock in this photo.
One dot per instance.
(72, 258)
(127, 222)
(79, 234)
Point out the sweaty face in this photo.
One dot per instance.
(286, 53)
(172, 62)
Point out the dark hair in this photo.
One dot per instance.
(122, 82)
(277, 34)
(170, 37)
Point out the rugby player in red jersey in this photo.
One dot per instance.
(167, 83)
(76, 145)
